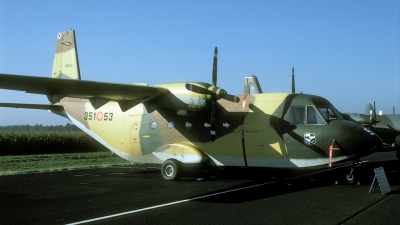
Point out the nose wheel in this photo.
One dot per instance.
(350, 175)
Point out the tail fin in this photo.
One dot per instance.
(251, 85)
(369, 109)
(66, 64)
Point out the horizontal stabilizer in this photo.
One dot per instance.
(56, 109)
(32, 106)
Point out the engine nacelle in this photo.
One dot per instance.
(180, 98)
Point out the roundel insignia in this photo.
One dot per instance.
(310, 138)
(99, 116)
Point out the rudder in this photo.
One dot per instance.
(66, 64)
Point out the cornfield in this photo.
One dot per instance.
(47, 142)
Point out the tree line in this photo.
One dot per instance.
(40, 127)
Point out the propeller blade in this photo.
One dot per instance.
(216, 92)
(374, 110)
(232, 98)
(212, 131)
(375, 120)
(197, 89)
(293, 85)
(214, 72)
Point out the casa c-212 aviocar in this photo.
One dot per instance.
(197, 124)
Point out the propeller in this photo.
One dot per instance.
(215, 92)
(372, 119)
(293, 85)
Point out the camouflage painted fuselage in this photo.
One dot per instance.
(254, 132)
(388, 127)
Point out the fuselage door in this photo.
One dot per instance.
(305, 139)
(132, 140)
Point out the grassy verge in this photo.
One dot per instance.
(55, 162)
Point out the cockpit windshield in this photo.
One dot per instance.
(309, 115)
(328, 113)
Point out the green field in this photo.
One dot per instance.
(54, 162)
(23, 151)
(47, 142)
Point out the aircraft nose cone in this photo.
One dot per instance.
(364, 141)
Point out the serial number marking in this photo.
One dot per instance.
(99, 116)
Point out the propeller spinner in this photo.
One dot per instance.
(215, 92)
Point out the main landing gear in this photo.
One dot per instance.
(171, 169)
(350, 175)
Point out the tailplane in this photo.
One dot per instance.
(66, 64)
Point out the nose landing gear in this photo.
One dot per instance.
(350, 175)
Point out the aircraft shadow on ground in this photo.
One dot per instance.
(267, 182)
(262, 185)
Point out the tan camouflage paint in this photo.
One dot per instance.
(122, 133)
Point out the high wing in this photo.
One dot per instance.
(98, 93)
(65, 81)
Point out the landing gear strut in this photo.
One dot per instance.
(350, 175)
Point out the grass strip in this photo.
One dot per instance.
(55, 162)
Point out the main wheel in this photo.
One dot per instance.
(171, 169)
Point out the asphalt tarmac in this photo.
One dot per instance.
(138, 195)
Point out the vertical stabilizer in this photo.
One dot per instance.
(66, 64)
(369, 109)
(251, 85)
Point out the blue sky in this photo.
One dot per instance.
(345, 51)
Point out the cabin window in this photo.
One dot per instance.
(153, 125)
(297, 115)
(188, 125)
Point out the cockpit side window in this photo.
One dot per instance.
(301, 115)
(313, 117)
(297, 115)
(328, 113)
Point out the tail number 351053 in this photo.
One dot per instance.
(99, 116)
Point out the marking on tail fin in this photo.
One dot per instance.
(66, 63)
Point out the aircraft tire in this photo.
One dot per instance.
(350, 178)
(171, 170)
(397, 140)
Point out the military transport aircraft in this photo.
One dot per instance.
(195, 123)
(387, 127)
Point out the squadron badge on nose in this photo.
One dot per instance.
(310, 138)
